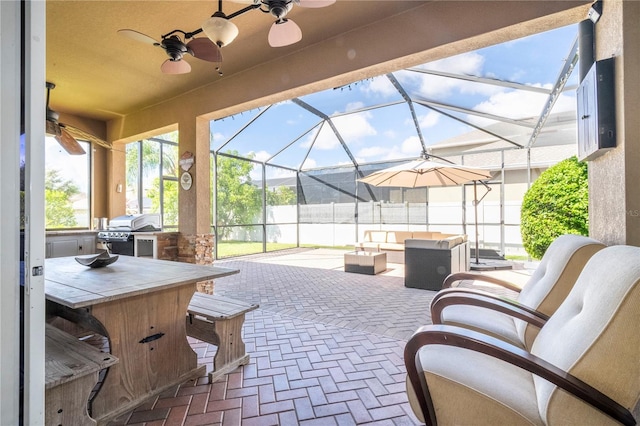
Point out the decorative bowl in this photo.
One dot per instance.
(97, 260)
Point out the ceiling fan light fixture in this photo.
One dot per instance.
(316, 3)
(175, 67)
(284, 32)
(219, 29)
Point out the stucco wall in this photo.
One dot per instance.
(614, 178)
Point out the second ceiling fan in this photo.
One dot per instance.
(220, 31)
(284, 31)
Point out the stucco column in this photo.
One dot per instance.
(614, 195)
(195, 242)
(194, 203)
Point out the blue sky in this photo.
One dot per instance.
(388, 133)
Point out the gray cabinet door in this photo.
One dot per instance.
(61, 248)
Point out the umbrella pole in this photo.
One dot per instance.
(475, 207)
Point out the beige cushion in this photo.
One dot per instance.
(483, 320)
(391, 246)
(469, 388)
(546, 289)
(375, 236)
(420, 243)
(594, 335)
(442, 244)
(366, 245)
(398, 236)
(554, 278)
(426, 235)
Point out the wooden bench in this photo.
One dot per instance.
(71, 373)
(218, 320)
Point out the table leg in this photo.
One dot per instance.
(147, 333)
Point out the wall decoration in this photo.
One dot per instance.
(186, 181)
(186, 161)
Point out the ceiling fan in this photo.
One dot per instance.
(176, 48)
(283, 32)
(220, 31)
(65, 134)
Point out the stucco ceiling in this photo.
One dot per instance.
(102, 75)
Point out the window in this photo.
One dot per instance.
(67, 187)
(152, 178)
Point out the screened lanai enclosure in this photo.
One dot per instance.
(287, 174)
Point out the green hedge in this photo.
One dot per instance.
(556, 204)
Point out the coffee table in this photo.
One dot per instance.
(365, 262)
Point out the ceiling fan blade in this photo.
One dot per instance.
(139, 37)
(52, 128)
(284, 32)
(316, 3)
(82, 135)
(175, 67)
(203, 48)
(69, 143)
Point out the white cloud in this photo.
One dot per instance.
(309, 163)
(352, 128)
(325, 139)
(380, 86)
(470, 63)
(390, 134)
(261, 156)
(355, 126)
(218, 138)
(466, 64)
(519, 104)
(435, 87)
(411, 146)
(372, 151)
(353, 106)
(430, 119)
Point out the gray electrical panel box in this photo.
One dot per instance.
(596, 111)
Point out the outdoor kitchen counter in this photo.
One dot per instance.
(70, 242)
(153, 238)
(139, 304)
(72, 232)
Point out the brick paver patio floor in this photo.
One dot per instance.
(326, 348)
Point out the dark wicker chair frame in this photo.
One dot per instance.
(471, 340)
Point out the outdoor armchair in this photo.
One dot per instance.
(582, 368)
(516, 321)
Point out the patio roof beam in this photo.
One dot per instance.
(292, 142)
(243, 127)
(485, 80)
(561, 81)
(488, 116)
(313, 142)
(407, 98)
(322, 115)
(472, 125)
(367, 108)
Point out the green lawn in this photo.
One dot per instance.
(241, 248)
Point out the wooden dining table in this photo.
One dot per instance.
(139, 305)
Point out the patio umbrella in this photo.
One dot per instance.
(424, 172)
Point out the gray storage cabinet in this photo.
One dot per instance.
(428, 262)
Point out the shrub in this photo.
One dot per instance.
(556, 203)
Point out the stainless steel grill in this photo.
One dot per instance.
(109, 236)
(119, 235)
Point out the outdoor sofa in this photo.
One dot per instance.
(393, 242)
